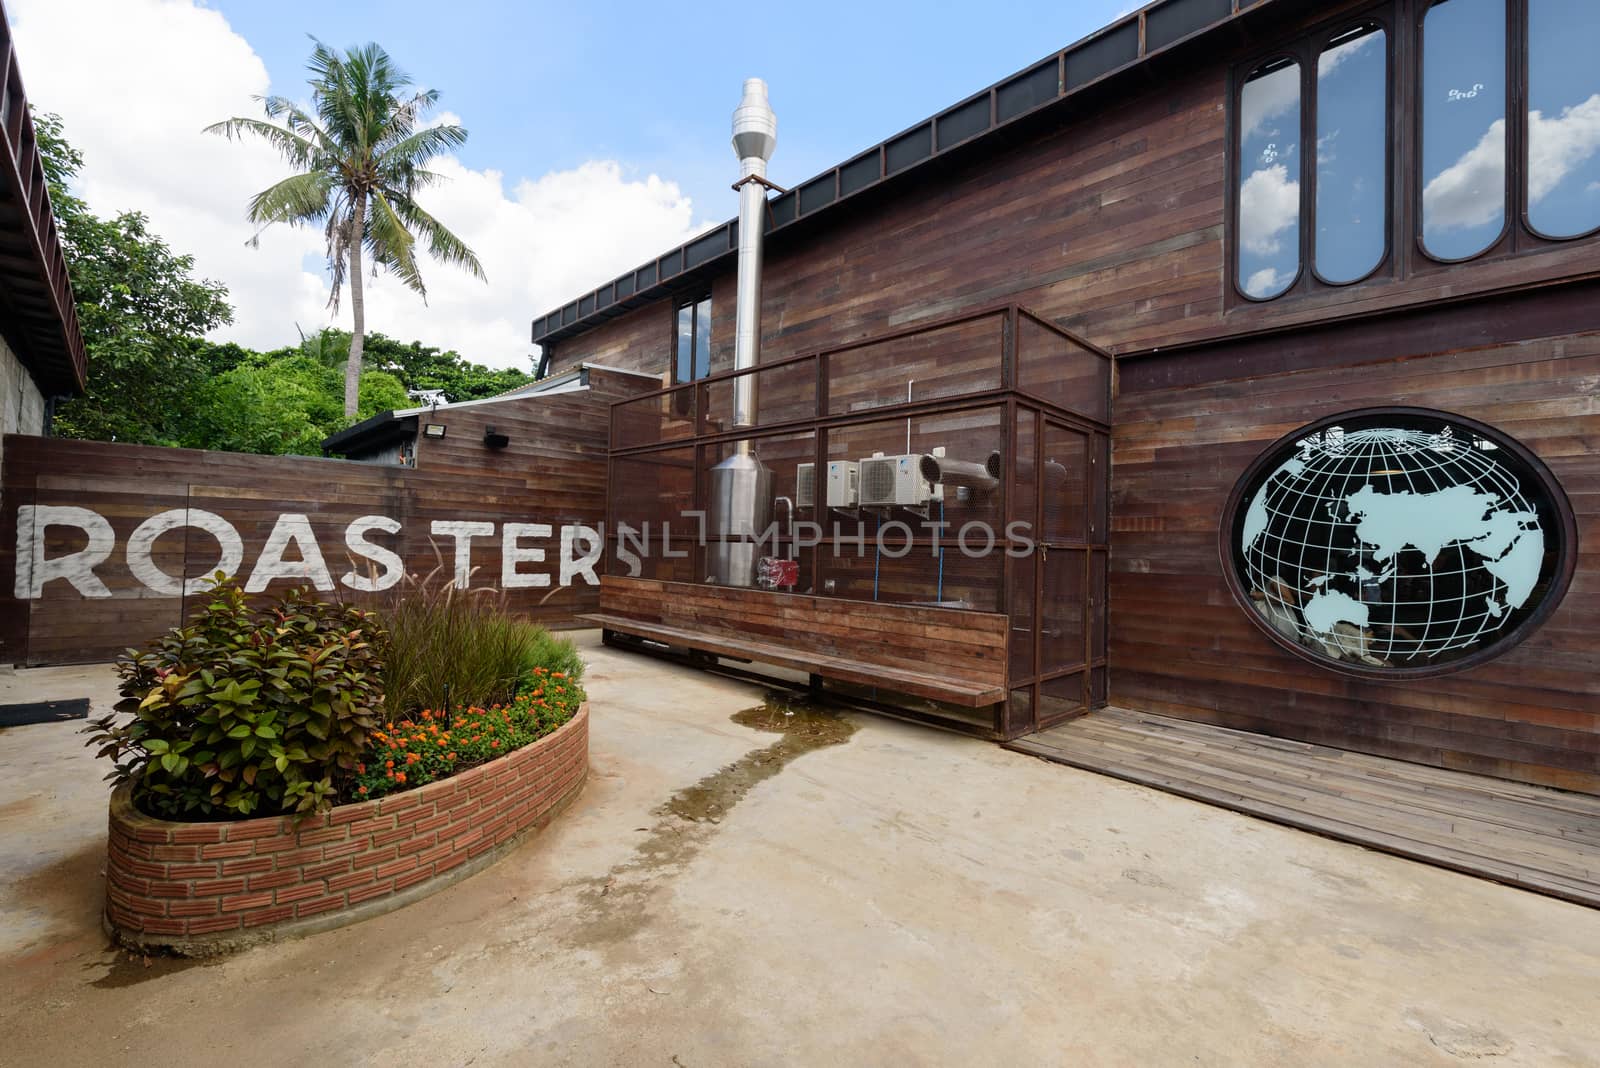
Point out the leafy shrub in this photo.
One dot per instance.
(433, 746)
(452, 648)
(246, 712)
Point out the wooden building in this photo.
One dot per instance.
(1281, 323)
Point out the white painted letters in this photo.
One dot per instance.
(33, 570)
(355, 537)
(512, 554)
(291, 527)
(143, 538)
(463, 532)
(573, 566)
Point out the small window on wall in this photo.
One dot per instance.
(692, 338)
(1463, 127)
(1563, 161)
(1352, 211)
(1398, 542)
(1269, 179)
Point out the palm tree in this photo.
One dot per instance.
(360, 155)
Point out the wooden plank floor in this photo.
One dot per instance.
(1527, 836)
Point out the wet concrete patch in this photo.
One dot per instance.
(131, 969)
(617, 904)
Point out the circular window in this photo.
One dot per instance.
(1398, 541)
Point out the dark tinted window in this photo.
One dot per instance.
(692, 360)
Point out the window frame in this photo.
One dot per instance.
(1514, 175)
(1306, 49)
(1236, 172)
(1405, 257)
(1561, 573)
(701, 297)
(1524, 147)
(1382, 19)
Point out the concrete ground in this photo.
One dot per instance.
(722, 894)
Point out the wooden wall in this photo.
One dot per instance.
(552, 472)
(1181, 644)
(1113, 223)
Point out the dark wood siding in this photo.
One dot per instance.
(552, 472)
(1181, 644)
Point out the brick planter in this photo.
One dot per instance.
(203, 888)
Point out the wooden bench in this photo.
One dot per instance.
(954, 656)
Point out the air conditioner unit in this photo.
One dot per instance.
(805, 486)
(893, 481)
(843, 480)
(844, 483)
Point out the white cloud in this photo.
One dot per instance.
(1558, 146)
(1269, 204)
(1269, 98)
(1264, 283)
(135, 81)
(1471, 191)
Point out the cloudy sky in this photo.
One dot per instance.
(599, 136)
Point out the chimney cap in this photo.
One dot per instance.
(755, 128)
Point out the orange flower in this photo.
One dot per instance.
(450, 756)
(388, 763)
(400, 776)
(361, 769)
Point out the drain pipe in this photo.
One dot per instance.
(755, 135)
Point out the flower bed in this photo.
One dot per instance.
(200, 888)
(434, 746)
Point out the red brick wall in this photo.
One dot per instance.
(211, 886)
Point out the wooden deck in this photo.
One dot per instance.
(1526, 836)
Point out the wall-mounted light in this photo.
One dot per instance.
(433, 430)
(494, 439)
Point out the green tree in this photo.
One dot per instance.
(282, 403)
(422, 366)
(360, 153)
(140, 309)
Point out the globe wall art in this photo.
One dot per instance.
(1399, 540)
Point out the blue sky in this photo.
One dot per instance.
(544, 87)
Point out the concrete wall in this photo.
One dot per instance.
(21, 403)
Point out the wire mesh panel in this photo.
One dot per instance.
(890, 477)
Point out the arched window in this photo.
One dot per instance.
(1352, 155)
(1269, 180)
(1563, 162)
(1463, 127)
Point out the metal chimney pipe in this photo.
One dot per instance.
(755, 135)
